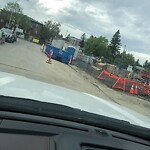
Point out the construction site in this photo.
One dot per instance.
(77, 75)
(135, 82)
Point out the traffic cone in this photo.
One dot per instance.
(42, 47)
(50, 56)
(136, 90)
(132, 89)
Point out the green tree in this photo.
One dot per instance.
(148, 65)
(50, 30)
(12, 16)
(97, 47)
(115, 44)
(24, 22)
(4, 17)
(82, 41)
(124, 59)
(14, 10)
(137, 62)
(145, 65)
(13, 7)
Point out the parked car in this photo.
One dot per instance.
(2, 37)
(9, 35)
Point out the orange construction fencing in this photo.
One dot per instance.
(121, 83)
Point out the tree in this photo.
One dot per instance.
(82, 41)
(13, 7)
(115, 44)
(50, 30)
(145, 65)
(97, 47)
(24, 22)
(91, 36)
(124, 59)
(137, 62)
(148, 65)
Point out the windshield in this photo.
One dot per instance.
(89, 55)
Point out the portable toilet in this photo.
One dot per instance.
(70, 51)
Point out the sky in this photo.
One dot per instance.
(97, 17)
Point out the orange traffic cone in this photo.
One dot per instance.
(136, 90)
(50, 56)
(132, 89)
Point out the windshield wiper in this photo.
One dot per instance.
(34, 107)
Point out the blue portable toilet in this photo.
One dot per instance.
(70, 52)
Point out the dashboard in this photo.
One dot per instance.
(19, 131)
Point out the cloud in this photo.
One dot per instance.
(143, 57)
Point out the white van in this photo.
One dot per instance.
(19, 33)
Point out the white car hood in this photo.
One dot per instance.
(18, 86)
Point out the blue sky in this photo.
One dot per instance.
(97, 17)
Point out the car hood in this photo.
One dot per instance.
(18, 86)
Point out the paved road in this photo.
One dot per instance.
(26, 59)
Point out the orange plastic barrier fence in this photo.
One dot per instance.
(121, 82)
(105, 74)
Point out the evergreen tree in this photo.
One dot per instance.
(137, 62)
(82, 41)
(115, 44)
(145, 65)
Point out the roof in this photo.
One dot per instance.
(33, 20)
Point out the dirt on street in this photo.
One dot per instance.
(26, 59)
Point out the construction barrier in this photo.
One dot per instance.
(106, 74)
(121, 84)
(50, 56)
(146, 90)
